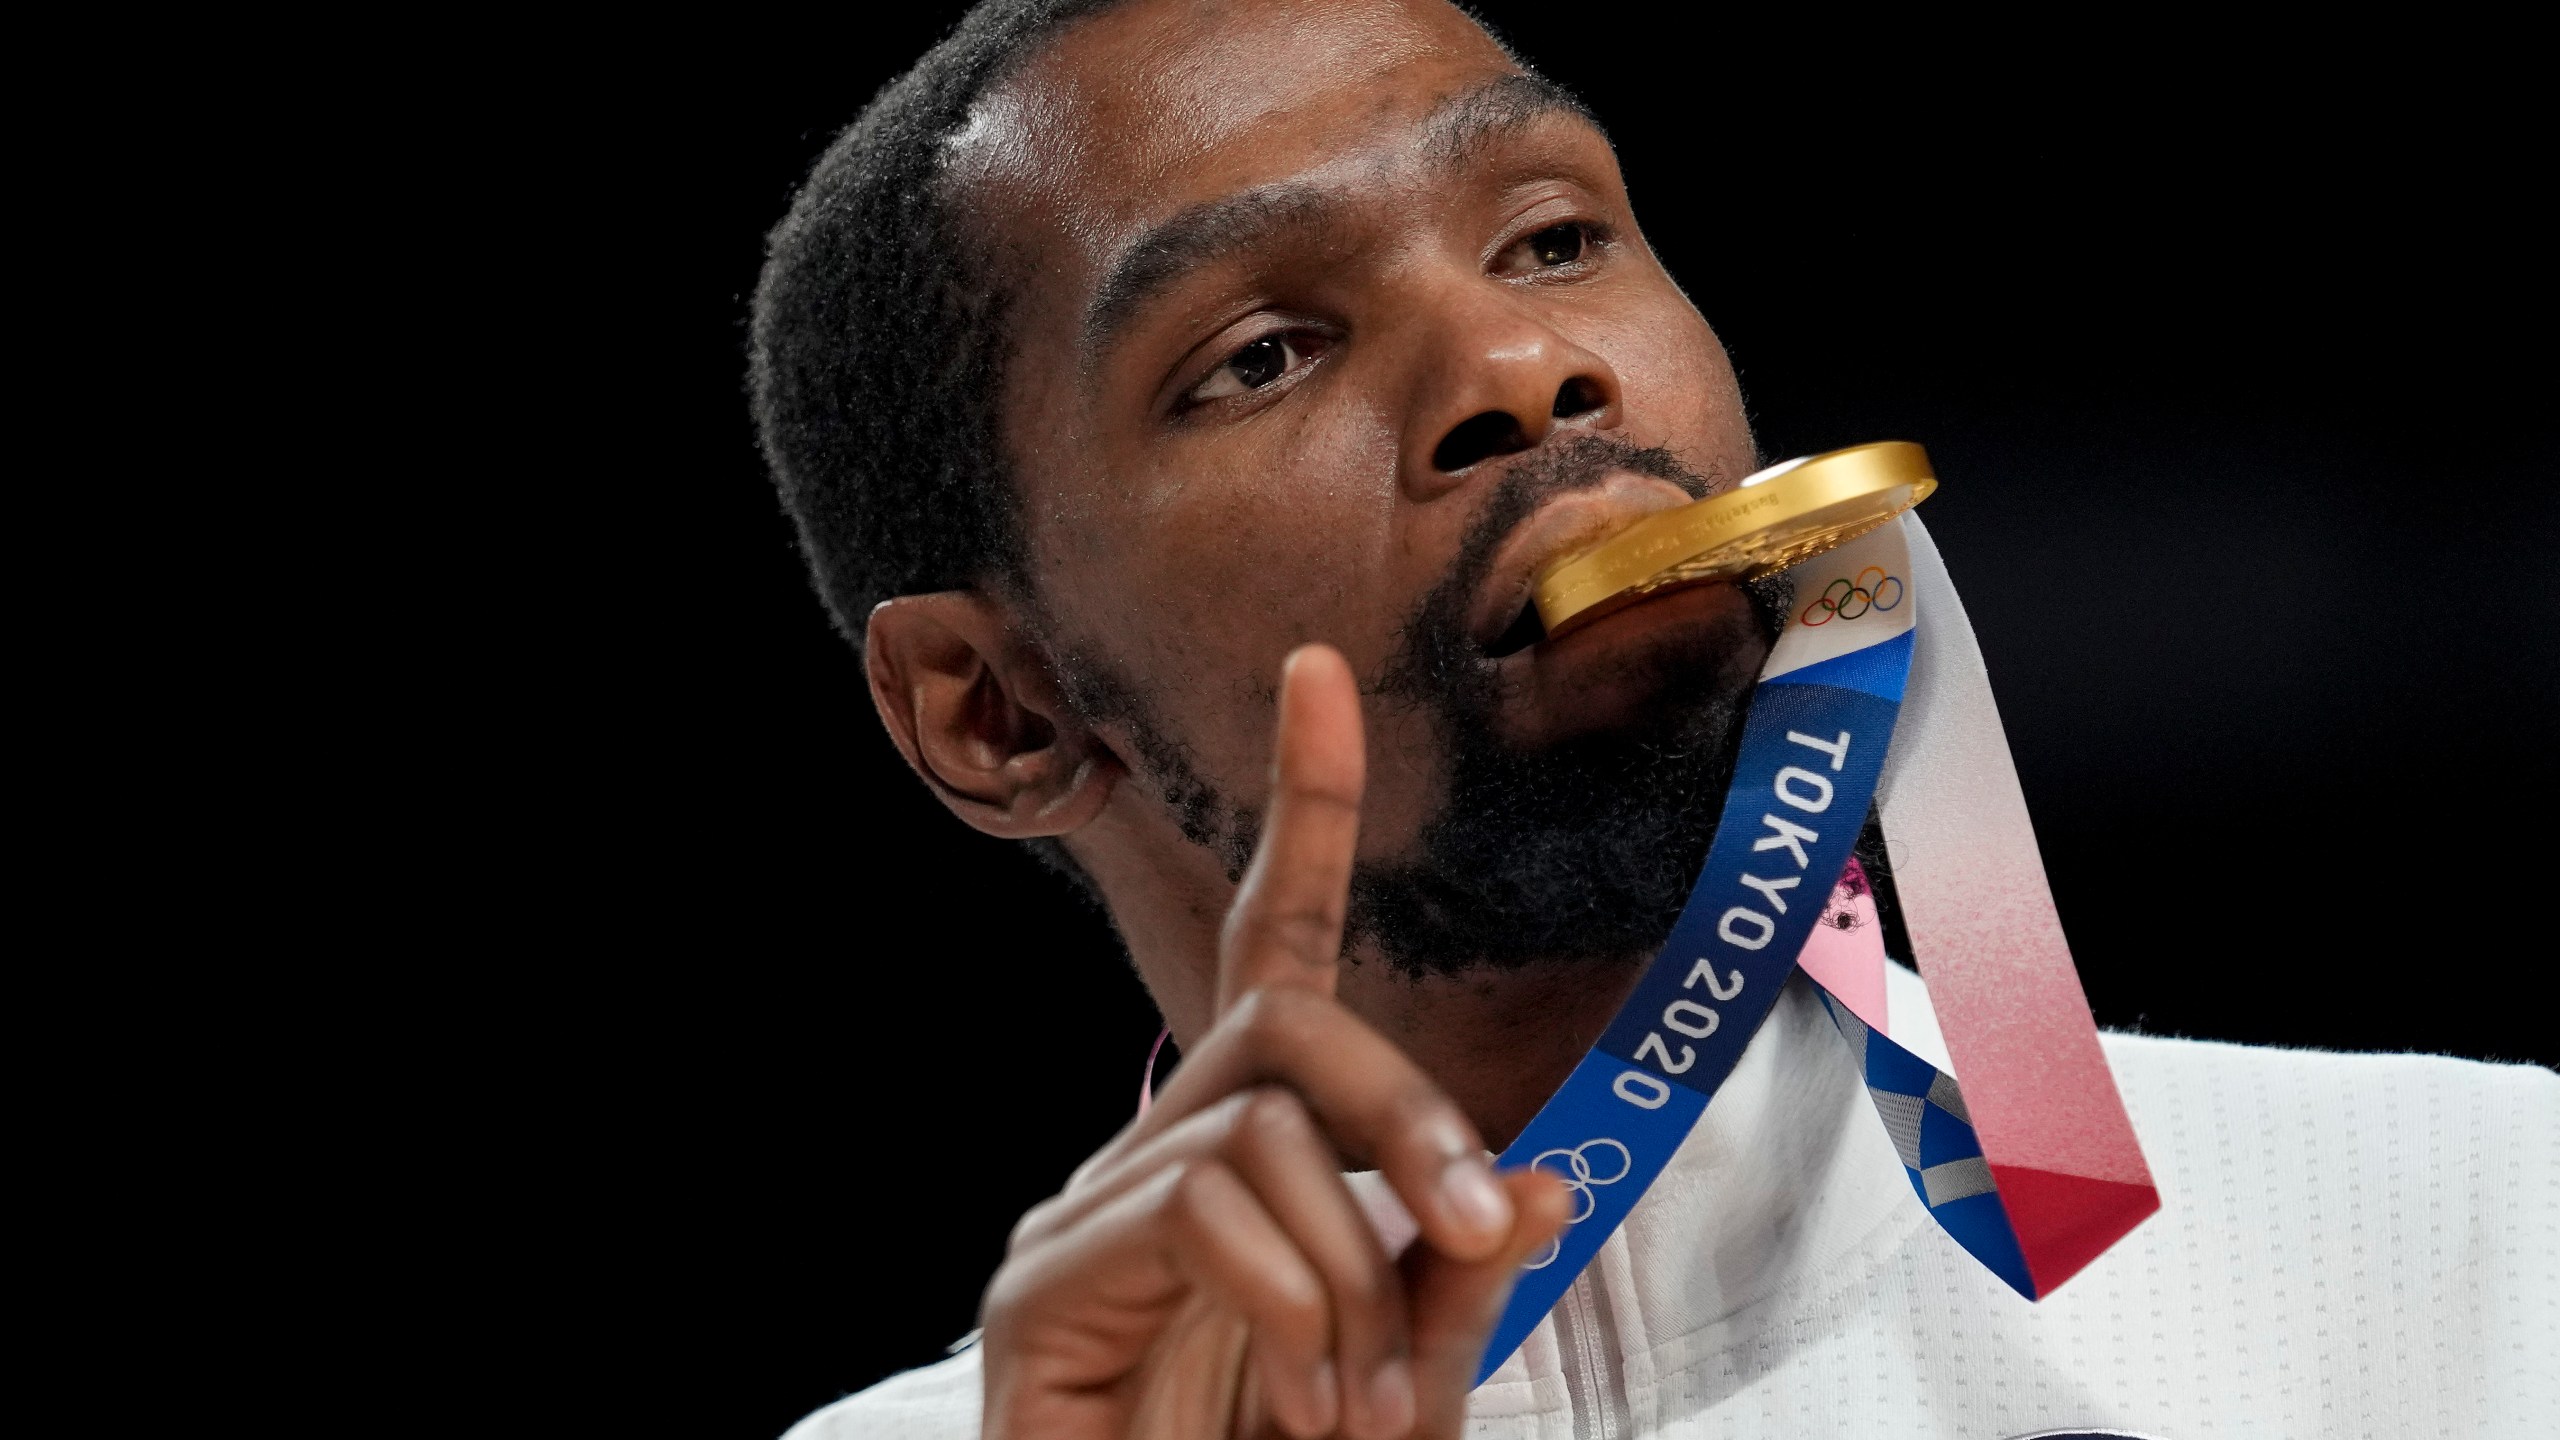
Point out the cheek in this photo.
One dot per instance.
(1283, 530)
(1199, 569)
(1680, 388)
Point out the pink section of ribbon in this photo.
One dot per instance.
(1988, 940)
(1147, 1077)
(1845, 952)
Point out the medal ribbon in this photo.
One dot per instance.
(1813, 753)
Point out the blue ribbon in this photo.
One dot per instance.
(1812, 749)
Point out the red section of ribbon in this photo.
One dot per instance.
(2062, 1220)
(2065, 1221)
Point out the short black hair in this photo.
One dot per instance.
(879, 342)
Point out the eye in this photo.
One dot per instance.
(1256, 364)
(1557, 244)
(1550, 249)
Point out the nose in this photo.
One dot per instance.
(1503, 381)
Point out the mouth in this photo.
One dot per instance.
(1506, 619)
(1524, 631)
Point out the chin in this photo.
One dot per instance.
(1585, 774)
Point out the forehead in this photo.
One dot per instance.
(1158, 104)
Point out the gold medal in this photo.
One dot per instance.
(1782, 516)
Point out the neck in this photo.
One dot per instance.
(1500, 1043)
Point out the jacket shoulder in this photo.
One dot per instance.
(2398, 1142)
(937, 1402)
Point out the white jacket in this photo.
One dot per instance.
(2348, 1245)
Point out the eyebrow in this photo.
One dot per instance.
(1463, 126)
(1456, 131)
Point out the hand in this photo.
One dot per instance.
(1208, 1272)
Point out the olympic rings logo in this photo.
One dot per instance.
(1849, 599)
(1579, 1179)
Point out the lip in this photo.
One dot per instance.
(1570, 522)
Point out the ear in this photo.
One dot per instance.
(976, 712)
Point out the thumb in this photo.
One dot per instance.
(1455, 1303)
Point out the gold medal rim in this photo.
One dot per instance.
(1818, 503)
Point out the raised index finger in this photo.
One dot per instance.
(1286, 925)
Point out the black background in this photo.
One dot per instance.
(2227, 351)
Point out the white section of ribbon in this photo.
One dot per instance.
(1951, 722)
(1881, 559)
(1914, 1024)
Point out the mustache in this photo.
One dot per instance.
(1434, 657)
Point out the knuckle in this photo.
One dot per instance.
(1294, 1302)
(1276, 1021)
(1243, 1014)
(1191, 1196)
(1083, 1176)
(1267, 1114)
(1036, 1224)
(1004, 1299)
(1300, 1300)
(1307, 931)
(1310, 935)
(1101, 1160)
(1323, 796)
(1220, 1121)
(1368, 1286)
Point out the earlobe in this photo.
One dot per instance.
(976, 713)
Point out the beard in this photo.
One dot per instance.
(1580, 851)
(1577, 852)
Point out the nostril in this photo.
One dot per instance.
(1578, 396)
(1480, 437)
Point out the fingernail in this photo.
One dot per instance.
(1474, 1197)
(1391, 1398)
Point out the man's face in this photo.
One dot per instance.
(1333, 327)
